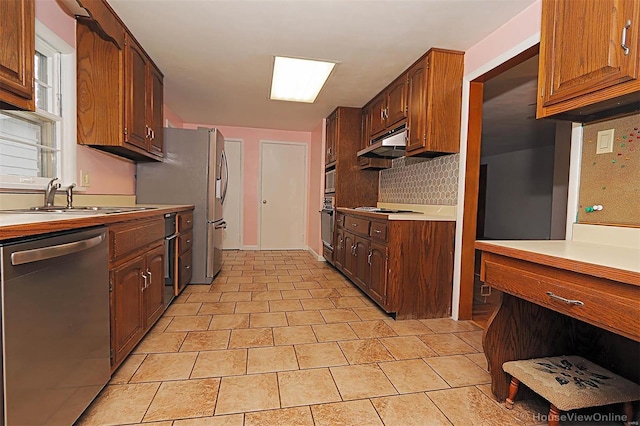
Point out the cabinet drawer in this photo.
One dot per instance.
(129, 237)
(378, 231)
(184, 269)
(340, 220)
(606, 304)
(185, 221)
(354, 224)
(185, 241)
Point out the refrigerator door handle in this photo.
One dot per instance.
(221, 225)
(226, 177)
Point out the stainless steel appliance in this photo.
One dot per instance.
(55, 326)
(389, 145)
(194, 171)
(326, 222)
(330, 181)
(170, 259)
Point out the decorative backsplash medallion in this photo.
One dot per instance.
(421, 181)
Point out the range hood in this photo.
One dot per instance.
(390, 145)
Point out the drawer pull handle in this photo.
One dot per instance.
(188, 241)
(354, 225)
(567, 301)
(187, 267)
(377, 231)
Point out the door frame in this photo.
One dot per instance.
(241, 207)
(306, 188)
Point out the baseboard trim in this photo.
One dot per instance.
(316, 255)
(249, 248)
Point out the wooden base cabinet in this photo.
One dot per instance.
(405, 266)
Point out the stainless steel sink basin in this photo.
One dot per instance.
(79, 210)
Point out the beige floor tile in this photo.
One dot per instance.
(348, 302)
(251, 337)
(253, 285)
(268, 319)
(230, 420)
(305, 318)
(370, 313)
(472, 338)
(362, 381)
(217, 308)
(238, 280)
(182, 399)
(412, 375)
(447, 344)
(197, 288)
(206, 340)
(252, 307)
(210, 297)
(231, 362)
(359, 413)
(458, 370)
(407, 347)
(530, 411)
(480, 359)
(307, 387)
(447, 325)
(365, 351)
(236, 296)
(157, 367)
(409, 410)
(267, 279)
(317, 355)
(160, 342)
(293, 335)
(317, 304)
(339, 315)
(306, 285)
(179, 309)
(254, 392)
(189, 323)
(266, 295)
(271, 359)
(372, 329)
(469, 406)
(120, 404)
(161, 325)
(284, 305)
(229, 321)
(296, 294)
(298, 416)
(350, 292)
(127, 369)
(323, 293)
(280, 286)
(334, 332)
(408, 327)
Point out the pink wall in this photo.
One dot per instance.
(108, 174)
(251, 159)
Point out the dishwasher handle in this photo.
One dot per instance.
(44, 253)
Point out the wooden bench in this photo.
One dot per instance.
(571, 383)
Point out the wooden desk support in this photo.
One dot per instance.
(598, 320)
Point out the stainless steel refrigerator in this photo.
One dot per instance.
(194, 171)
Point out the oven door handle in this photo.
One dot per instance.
(171, 237)
(329, 212)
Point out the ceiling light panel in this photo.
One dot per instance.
(298, 80)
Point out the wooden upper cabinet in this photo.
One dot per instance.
(389, 109)
(377, 110)
(136, 101)
(365, 162)
(332, 136)
(17, 33)
(589, 54)
(156, 90)
(434, 103)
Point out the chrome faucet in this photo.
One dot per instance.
(70, 195)
(50, 192)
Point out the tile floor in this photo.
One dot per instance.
(282, 339)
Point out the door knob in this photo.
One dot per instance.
(264, 201)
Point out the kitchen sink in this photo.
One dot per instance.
(79, 210)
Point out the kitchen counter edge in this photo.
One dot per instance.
(396, 216)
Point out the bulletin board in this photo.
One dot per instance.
(611, 180)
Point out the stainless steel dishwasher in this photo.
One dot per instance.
(55, 326)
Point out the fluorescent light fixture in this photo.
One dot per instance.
(298, 80)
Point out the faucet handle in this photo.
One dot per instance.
(70, 195)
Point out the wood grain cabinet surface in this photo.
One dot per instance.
(183, 265)
(406, 267)
(589, 58)
(365, 132)
(17, 33)
(388, 109)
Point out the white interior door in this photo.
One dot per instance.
(283, 189)
(232, 235)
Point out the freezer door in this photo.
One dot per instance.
(214, 247)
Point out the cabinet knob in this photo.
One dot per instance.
(377, 231)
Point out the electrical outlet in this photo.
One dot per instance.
(84, 178)
(604, 142)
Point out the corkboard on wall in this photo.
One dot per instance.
(612, 179)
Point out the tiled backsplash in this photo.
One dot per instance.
(421, 181)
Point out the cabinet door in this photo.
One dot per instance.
(339, 249)
(396, 110)
(155, 90)
(378, 122)
(349, 265)
(417, 120)
(135, 101)
(17, 33)
(361, 273)
(378, 266)
(127, 322)
(332, 130)
(154, 290)
(581, 46)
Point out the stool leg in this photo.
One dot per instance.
(554, 416)
(513, 390)
(628, 412)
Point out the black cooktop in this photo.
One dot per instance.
(382, 210)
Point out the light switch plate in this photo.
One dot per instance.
(605, 141)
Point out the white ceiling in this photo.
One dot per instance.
(216, 55)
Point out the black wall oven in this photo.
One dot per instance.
(326, 222)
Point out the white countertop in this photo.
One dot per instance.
(423, 212)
